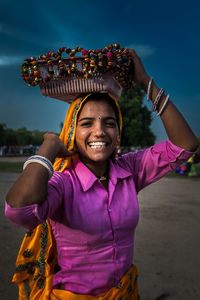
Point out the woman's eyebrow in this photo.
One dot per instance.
(86, 118)
(91, 119)
(110, 118)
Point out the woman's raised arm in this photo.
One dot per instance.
(177, 129)
(31, 186)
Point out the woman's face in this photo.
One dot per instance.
(97, 132)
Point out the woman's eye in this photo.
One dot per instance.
(86, 124)
(110, 124)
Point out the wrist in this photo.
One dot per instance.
(41, 160)
(154, 92)
(144, 83)
(49, 150)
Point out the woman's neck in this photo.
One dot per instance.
(99, 169)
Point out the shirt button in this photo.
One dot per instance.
(110, 210)
(117, 261)
(115, 244)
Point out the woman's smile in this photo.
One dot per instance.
(98, 145)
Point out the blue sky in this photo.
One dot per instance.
(166, 34)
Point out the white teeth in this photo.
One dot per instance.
(95, 145)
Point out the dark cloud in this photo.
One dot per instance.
(165, 33)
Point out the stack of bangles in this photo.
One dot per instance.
(158, 98)
(42, 161)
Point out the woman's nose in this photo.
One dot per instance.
(99, 128)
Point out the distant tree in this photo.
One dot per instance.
(37, 137)
(2, 134)
(11, 139)
(20, 137)
(137, 119)
(23, 136)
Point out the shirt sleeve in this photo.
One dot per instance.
(151, 164)
(31, 216)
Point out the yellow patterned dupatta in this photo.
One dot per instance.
(37, 259)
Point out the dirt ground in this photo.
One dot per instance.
(167, 244)
(13, 159)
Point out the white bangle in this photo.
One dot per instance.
(45, 162)
(149, 88)
(158, 98)
(164, 105)
(44, 159)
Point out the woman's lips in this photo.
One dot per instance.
(97, 145)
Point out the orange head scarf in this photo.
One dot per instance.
(68, 132)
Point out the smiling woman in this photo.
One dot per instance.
(88, 204)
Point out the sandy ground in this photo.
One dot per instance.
(167, 244)
(13, 159)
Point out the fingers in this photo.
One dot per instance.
(132, 53)
(71, 153)
(65, 152)
(49, 134)
(56, 146)
(140, 76)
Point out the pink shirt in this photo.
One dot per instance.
(94, 228)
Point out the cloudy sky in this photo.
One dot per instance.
(166, 34)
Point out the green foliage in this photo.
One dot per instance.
(3, 134)
(19, 137)
(137, 119)
(37, 137)
(23, 136)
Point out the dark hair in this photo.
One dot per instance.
(107, 98)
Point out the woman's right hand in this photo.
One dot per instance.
(53, 147)
(31, 185)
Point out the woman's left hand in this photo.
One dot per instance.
(176, 127)
(140, 76)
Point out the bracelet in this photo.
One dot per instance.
(44, 159)
(149, 88)
(158, 98)
(164, 106)
(45, 162)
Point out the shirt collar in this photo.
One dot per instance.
(116, 171)
(87, 178)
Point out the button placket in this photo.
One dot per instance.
(113, 227)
